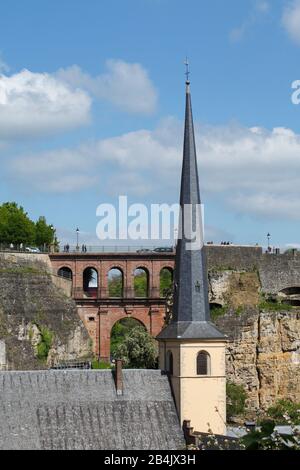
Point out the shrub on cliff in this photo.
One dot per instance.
(236, 399)
(45, 344)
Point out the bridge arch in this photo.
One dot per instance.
(138, 321)
(165, 280)
(120, 328)
(65, 272)
(90, 281)
(115, 282)
(141, 280)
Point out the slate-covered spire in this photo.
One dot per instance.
(191, 317)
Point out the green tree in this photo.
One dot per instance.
(44, 233)
(119, 331)
(15, 225)
(138, 350)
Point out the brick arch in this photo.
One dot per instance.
(167, 266)
(95, 269)
(109, 316)
(129, 317)
(123, 273)
(65, 265)
(90, 291)
(171, 271)
(170, 268)
(147, 268)
(157, 267)
(68, 267)
(91, 266)
(149, 279)
(121, 266)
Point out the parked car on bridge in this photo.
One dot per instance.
(32, 249)
(144, 250)
(164, 249)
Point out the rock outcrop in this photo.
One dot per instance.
(39, 324)
(263, 352)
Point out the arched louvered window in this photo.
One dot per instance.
(203, 363)
(169, 363)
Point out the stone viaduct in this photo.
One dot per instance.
(99, 310)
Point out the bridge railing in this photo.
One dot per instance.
(127, 293)
(22, 248)
(115, 248)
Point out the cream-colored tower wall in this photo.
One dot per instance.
(174, 348)
(200, 399)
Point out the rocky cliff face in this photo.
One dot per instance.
(263, 352)
(39, 324)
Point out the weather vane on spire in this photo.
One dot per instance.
(187, 70)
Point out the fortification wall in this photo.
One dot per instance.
(233, 257)
(276, 271)
(279, 272)
(39, 324)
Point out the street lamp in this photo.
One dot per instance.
(268, 237)
(52, 240)
(77, 237)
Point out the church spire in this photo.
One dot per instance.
(191, 317)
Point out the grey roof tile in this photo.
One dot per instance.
(81, 410)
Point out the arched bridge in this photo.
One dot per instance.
(110, 286)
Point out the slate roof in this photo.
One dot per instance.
(81, 410)
(191, 330)
(190, 277)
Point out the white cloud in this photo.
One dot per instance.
(34, 104)
(252, 170)
(125, 85)
(38, 104)
(291, 20)
(259, 9)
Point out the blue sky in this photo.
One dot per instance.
(92, 103)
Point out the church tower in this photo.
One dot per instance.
(191, 348)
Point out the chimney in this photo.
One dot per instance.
(119, 377)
